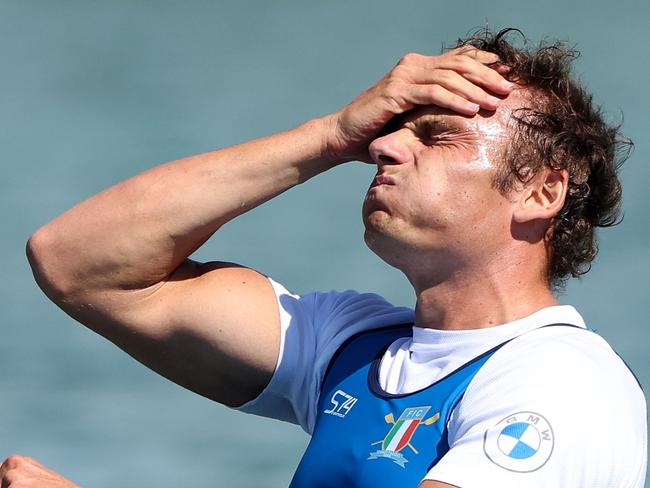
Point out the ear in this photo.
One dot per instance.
(543, 197)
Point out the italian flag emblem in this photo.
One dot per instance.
(399, 436)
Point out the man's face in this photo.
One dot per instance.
(432, 203)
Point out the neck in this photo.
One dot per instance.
(474, 299)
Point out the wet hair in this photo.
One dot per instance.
(560, 127)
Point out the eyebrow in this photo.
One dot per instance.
(423, 123)
(433, 123)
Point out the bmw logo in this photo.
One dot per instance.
(521, 442)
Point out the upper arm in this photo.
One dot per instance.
(212, 328)
(435, 484)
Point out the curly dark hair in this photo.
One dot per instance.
(560, 127)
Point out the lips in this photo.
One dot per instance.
(382, 180)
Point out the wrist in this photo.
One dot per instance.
(332, 150)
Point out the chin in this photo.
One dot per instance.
(389, 248)
(407, 249)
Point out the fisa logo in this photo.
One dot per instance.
(521, 442)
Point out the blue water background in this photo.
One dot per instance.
(93, 92)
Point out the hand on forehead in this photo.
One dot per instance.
(484, 121)
(486, 126)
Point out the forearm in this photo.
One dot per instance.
(134, 234)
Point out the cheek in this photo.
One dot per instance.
(433, 204)
(492, 216)
(474, 202)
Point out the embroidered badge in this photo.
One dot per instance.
(521, 442)
(401, 433)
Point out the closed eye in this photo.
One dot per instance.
(432, 132)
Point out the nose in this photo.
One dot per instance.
(390, 149)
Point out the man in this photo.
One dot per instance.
(493, 169)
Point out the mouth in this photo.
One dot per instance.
(382, 180)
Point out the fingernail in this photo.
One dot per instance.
(473, 107)
(493, 100)
(507, 85)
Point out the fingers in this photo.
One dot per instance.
(455, 83)
(502, 69)
(14, 469)
(442, 97)
(483, 57)
(488, 78)
(9, 470)
(22, 471)
(459, 80)
(13, 462)
(472, 65)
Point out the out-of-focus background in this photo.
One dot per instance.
(93, 92)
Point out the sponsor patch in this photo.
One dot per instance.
(342, 403)
(521, 442)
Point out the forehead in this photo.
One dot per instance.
(492, 124)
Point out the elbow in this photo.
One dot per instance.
(47, 268)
